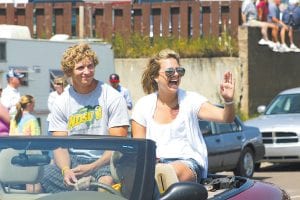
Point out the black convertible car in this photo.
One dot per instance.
(133, 168)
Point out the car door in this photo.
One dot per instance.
(212, 141)
(231, 140)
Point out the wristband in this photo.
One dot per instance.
(64, 169)
(228, 102)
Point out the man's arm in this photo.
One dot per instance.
(104, 159)
(62, 160)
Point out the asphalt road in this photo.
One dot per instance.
(286, 176)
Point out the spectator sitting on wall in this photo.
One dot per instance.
(262, 15)
(274, 17)
(249, 17)
(114, 81)
(291, 15)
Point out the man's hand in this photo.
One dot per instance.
(69, 178)
(83, 170)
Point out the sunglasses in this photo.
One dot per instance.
(169, 72)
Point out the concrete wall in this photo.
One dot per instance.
(203, 75)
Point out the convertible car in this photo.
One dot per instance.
(133, 168)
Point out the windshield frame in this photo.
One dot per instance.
(146, 156)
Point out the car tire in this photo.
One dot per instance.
(245, 166)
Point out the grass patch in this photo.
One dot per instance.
(137, 46)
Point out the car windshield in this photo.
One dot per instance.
(23, 161)
(284, 104)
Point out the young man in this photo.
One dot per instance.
(87, 107)
(11, 95)
(114, 81)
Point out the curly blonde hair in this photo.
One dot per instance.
(152, 70)
(75, 54)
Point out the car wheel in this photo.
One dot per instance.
(245, 166)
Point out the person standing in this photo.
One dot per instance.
(59, 84)
(11, 95)
(114, 81)
(24, 122)
(87, 107)
(169, 115)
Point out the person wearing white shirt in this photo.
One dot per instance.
(10, 95)
(59, 84)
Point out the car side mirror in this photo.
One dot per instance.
(185, 190)
(261, 109)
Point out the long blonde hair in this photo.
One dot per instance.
(152, 70)
(21, 105)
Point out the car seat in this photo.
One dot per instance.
(15, 175)
(165, 176)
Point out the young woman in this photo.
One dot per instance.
(169, 115)
(24, 122)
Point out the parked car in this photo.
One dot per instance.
(280, 127)
(232, 146)
(22, 160)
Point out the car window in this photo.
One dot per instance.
(227, 127)
(282, 104)
(205, 127)
(208, 127)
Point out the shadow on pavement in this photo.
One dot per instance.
(283, 167)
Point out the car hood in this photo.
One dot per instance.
(275, 121)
